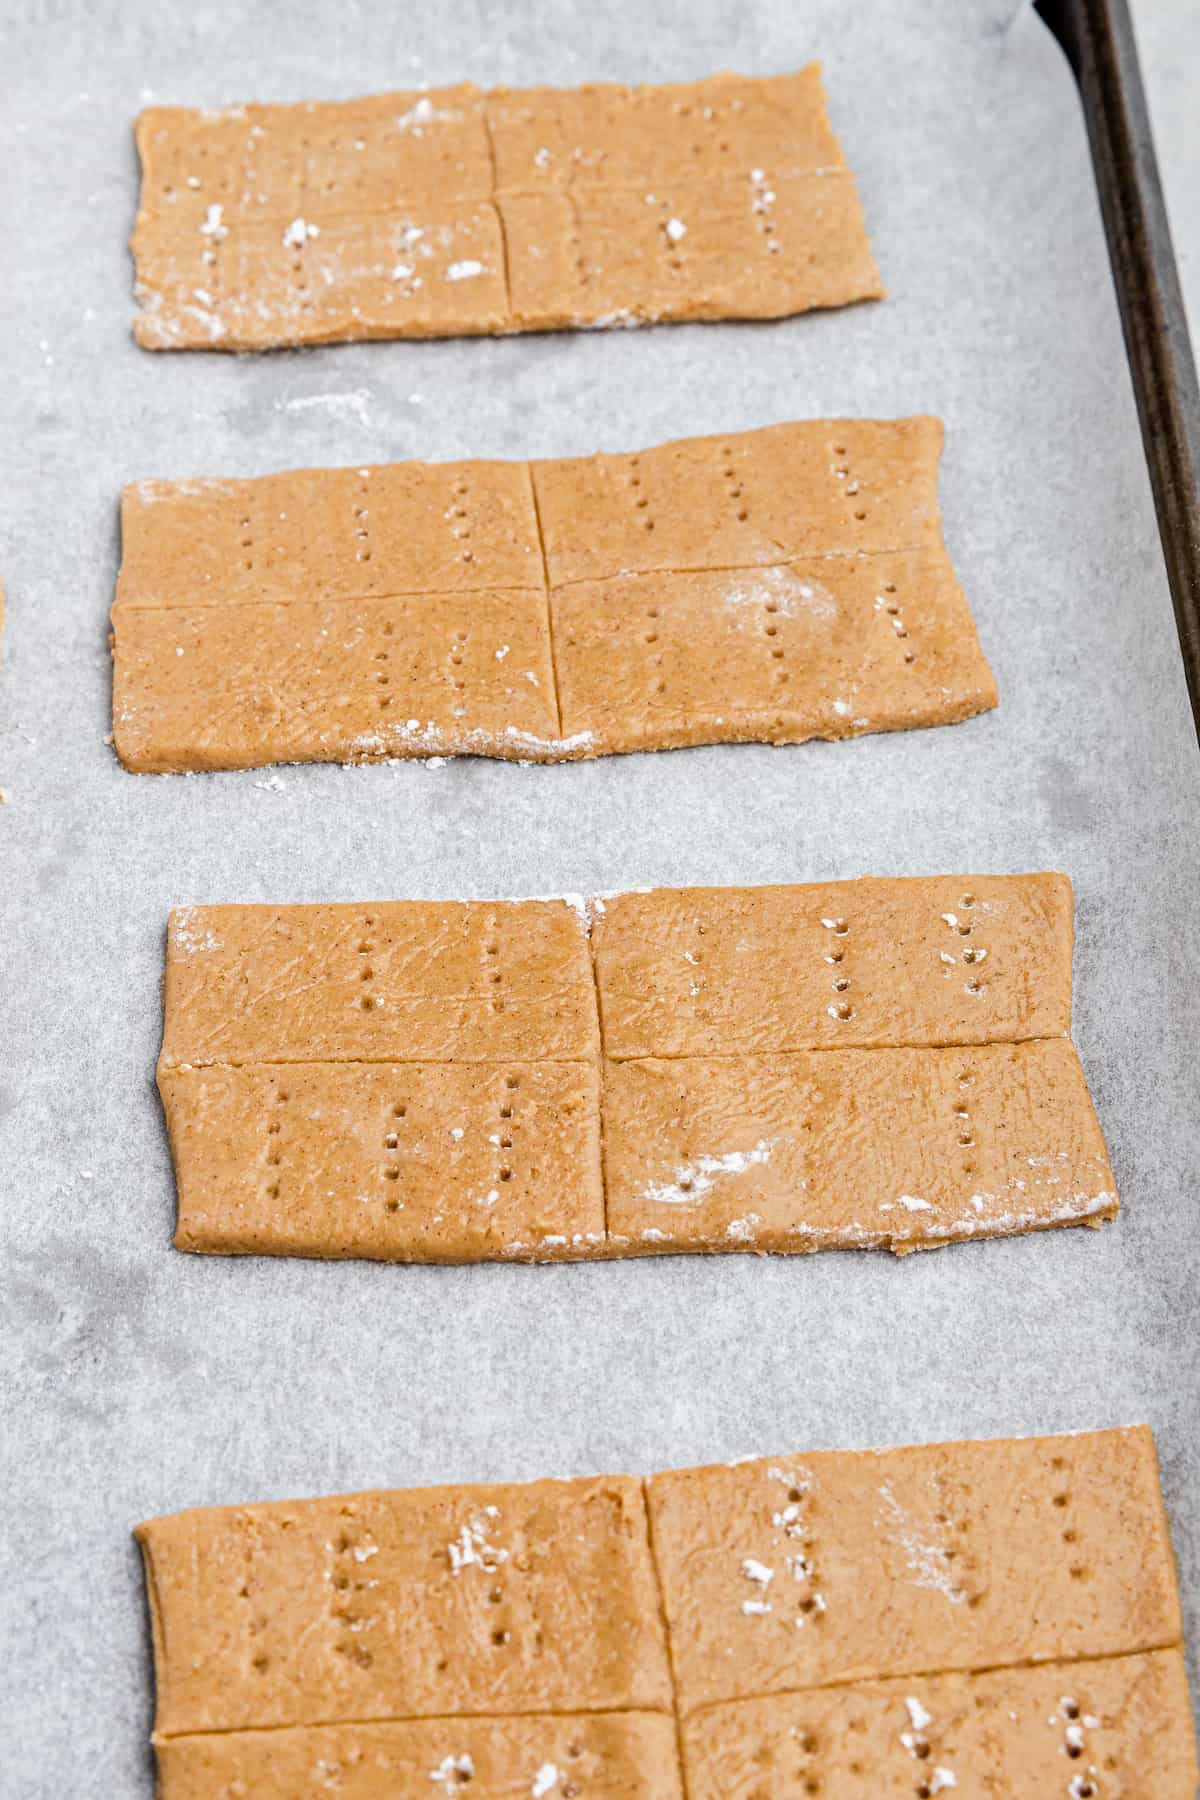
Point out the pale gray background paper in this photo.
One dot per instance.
(136, 1380)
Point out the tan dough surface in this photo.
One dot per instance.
(840, 1148)
(776, 655)
(919, 961)
(400, 981)
(752, 500)
(596, 1756)
(872, 1062)
(1005, 1613)
(772, 585)
(1116, 1730)
(412, 1604)
(896, 1562)
(429, 1162)
(457, 211)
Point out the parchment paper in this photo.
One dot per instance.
(136, 1380)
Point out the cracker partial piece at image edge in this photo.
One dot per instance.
(714, 1581)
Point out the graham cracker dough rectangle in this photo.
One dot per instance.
(398, 981)
(998, 1617)
(892, 962)
(771, 585)
(216, 687)
(834, 1149)
(791, 1573)
(330, 534)
(608, 137)
(258, 286)
(740, 249)
(772, 655)
(415, 1081)
(607, 1756)
(423, 1603)
(458, 211)
(412, 1162)
(771, 1069)
(750, 500)
(1117, 1727)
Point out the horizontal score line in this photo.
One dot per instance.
(435, 203)
(850, 1682)
(540, 593)
(604, 1057)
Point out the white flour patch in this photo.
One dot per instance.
(464, 271)
(299, 232)
(354, 404)
(432, 738)
(424, 112)
(917, 1714)
(452, 1771)
(472, 1549)
(187, 938)
(752, 592)
(924, 1550)
(621, 320)
(151, 492)
(696, 1179)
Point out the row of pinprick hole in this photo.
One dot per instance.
(733, 483)
(842, 472)
(642, 506)
(672, 237)
(399, 1111)
(274, 1147)
(460, 531)
(383, 678)
(1062, 1501)
(966, 1077)
(972, 954)
(457, 645)
(344, 1618)
(260, 1662)
(892, 610)
(651, 637)
(840, 1009)
(641, 503)
(760, 206)
(736, 492)
(495, 973)
(962, 1113)
(362, 533)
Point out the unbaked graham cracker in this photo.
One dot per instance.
(456, 212)
(863, 1063)
(771, 585)
(998, 1617)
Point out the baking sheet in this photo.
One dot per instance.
(136, 1380)
(1168, 38)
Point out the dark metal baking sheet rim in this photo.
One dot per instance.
(1098, 40)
